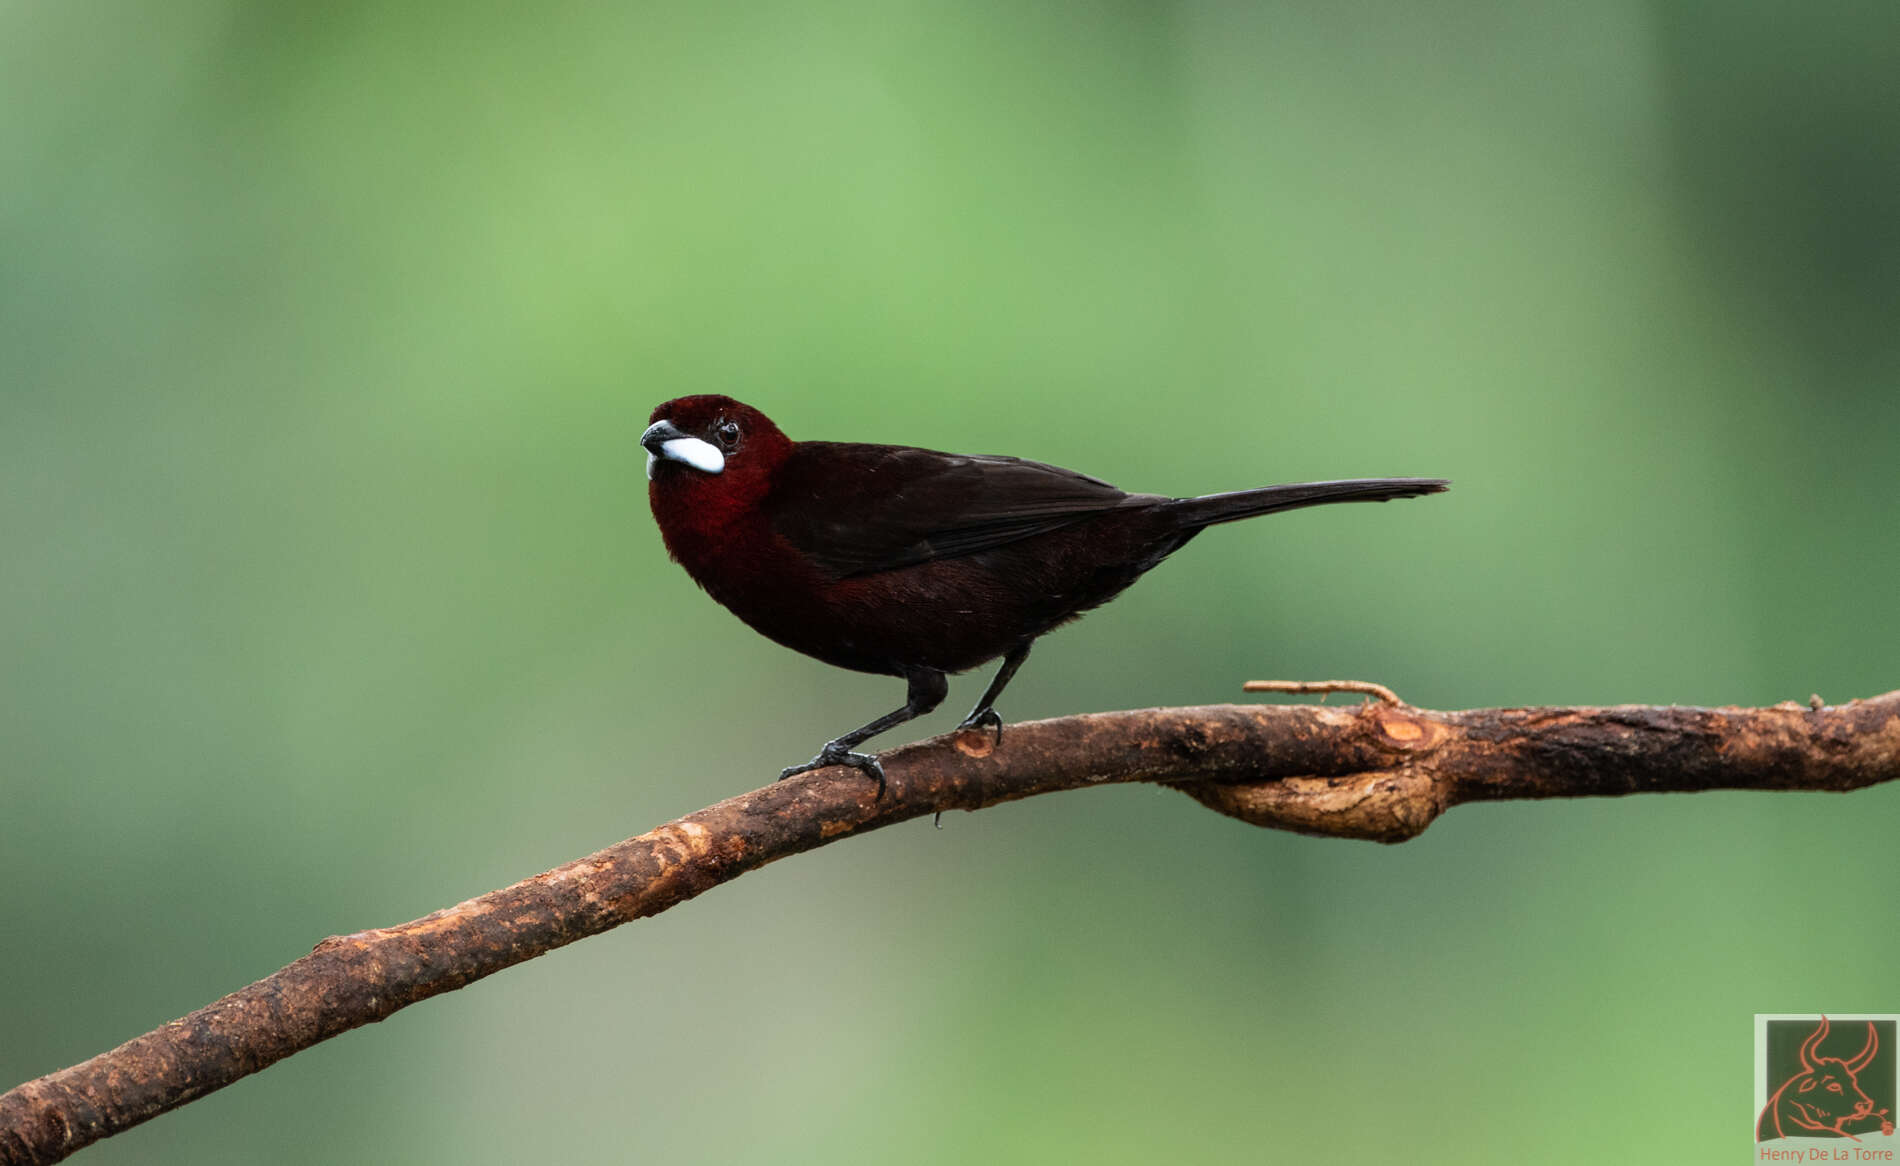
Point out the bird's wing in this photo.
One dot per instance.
(857, 509)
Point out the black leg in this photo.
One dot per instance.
(928, 687)
(984, 713)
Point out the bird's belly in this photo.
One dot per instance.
(885, 624)
(949, 614)
(956, 614)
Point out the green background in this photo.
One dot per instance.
(329, 593)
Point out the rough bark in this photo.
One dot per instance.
(1380, 771)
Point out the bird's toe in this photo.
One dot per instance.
(984, 717)
(863, 762)
(835, 754)
(795, 770)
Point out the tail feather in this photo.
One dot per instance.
(1194, 513)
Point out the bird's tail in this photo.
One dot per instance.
(1194, 513)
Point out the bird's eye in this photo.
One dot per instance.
(728, 432)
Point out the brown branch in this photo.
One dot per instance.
(1382, 771)
(1363, 687)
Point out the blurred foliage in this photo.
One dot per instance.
(330, 594)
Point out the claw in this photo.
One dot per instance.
(981, 717)
(835, 754)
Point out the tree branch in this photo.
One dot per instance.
(1381, 770)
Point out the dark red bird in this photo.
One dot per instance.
(910, 562)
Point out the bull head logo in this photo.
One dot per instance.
(1825, 1097)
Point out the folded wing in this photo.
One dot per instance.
(858, 509)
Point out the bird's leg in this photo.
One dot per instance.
(984, 713)
(927, 689)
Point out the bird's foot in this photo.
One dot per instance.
(985, 716)
(836, 754)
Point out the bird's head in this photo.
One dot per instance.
(708, 456)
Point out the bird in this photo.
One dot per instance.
(915, 563)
